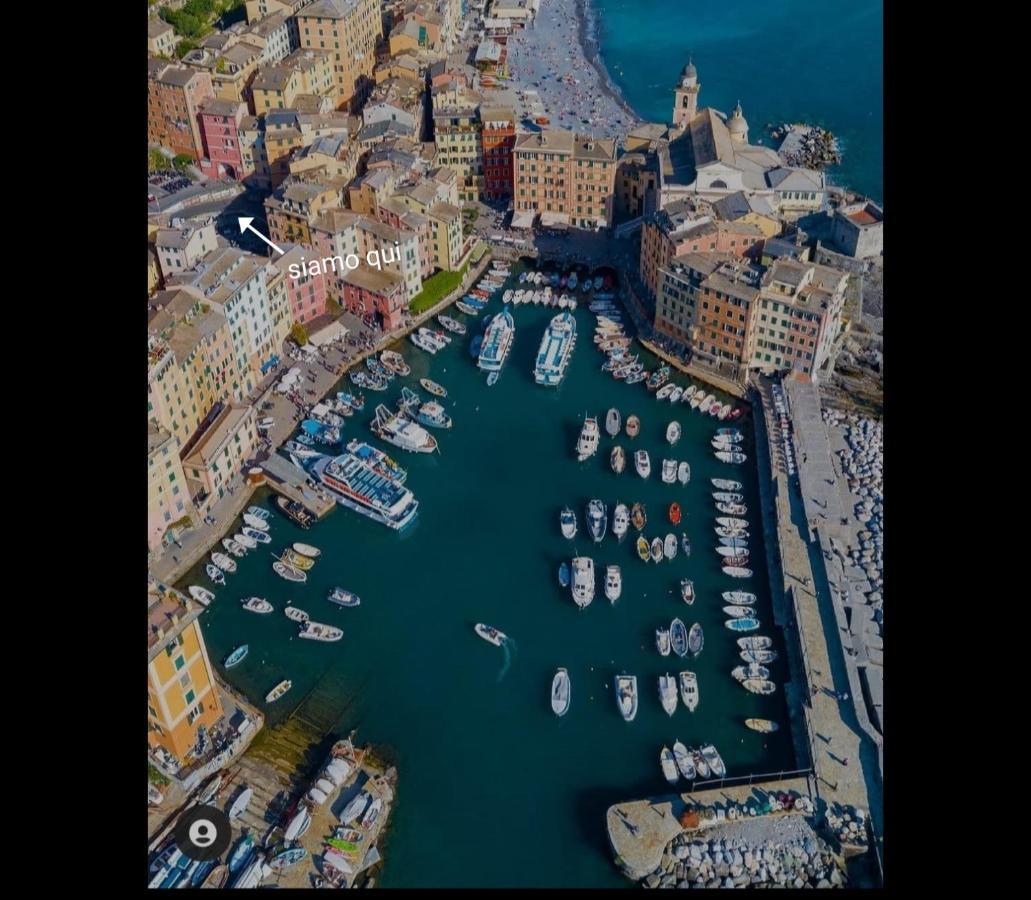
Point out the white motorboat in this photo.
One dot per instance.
(663, 392)
(245, 540)
(240, 804)
(613, 583)
(583, 581)
(295, 614)
(620, 521)
(656, 549)
(626, 696)
(232, 547)
(612, 422)
(587, 443)
(257, 605)
(490, 634)
(731, 522)
(737, 571)
(202, 595)
(255, 522)
(727, 497)
(725, 484)
(597, 519)
(670, 546)
(684, 472)
(662, 641)
(223, 562)
(738, 533)
(689, 690)
(567, 522)
(668, 693)
(316, 631)
(617, 459)
(676, 394)
(642, 463)
(734, 550)
(684, 761)
(669, 471)
(714, 760)
(730, 457)
(673, 432)
(560, 693)
(743, 598)
(738, 612)
(669, 765)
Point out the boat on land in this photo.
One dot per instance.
(642, 463)
(684, 761)
(236, 657)
(668, 693)
(656, 549)
(402, 432)
(673, 432)
(366, 489)
(613, 583)
(726, 484)
(490, 634)
(556, 350)
(687, 590)
(355, 807)
(497, 342)
(567, 522)
(240, 804)
(288, 572)
(295, 614)
(434, 388)
(745, 624)
(638, 516)
(742, 598)
(560, 693)
(286, 858)
(597, 519)
(633, 426)
(202, 595)
(587, 443)
(612, 422)
(668, 763)
(626, 696)
(257, 605)
(752, 670)
(763, 726)
(223, 562)
(583, 581)
(737, 571)
(669, 471)
(696, 639)
(316, 631)
(678, 637)
(278, 691)
(620, 521)
(670, 546)
(662, 641)
(215, 573)
(689, 690)
(714, 760)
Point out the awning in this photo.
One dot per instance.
(523, 218)
(328, 334)
(554, 220)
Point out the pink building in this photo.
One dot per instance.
(219, 127)
(307, 294)
(376, 292)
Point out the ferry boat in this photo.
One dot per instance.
(377, 460)
(556, 350)
(497, 342)
(356, 485)
(587, 443)
(490, 634)
(402, 432)
(432, 414)
(583, 581)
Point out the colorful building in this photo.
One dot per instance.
(180, 248)
(498, 139)
(169, 508)
(350, 29)
(218, 452)
(306, 294)
(175, 95)
(371, 292)
(220, 132)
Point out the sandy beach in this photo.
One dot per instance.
(557, 58)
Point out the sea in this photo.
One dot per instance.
(494, 789)
(808, 61)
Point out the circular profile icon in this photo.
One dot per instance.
(203, 833)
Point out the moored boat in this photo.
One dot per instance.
(236, 657)
(689, 690)
(316, 631)
(669, 471)
(678, 637)
(432, 386)
(743, 598)
(587, 443)
(669, 765)
(278, 691)
(684, 761)
(687, 590)
(617, 459)
(684, 472)
(567, 522)
(307, 550)
(288, 572)
(696, 639)
(257, 605)
(670, 546)
(642, 549)
(668, 693)
(638, 516)
(714, 760)
(583, 581)
(642, 463)
(763, 726)
(620, 521)
(674, 513)
(737, 572)
(662, 641)
(752, 670)
(560, 693)
(613, 583)
(673, 432)
(656, 549)
(202, 595)
(633, 426)
(746, 624)
(626, 696)
(295, 614)
(597, 519)
(738, 612)
(215, 573)
(612, 422)
(223, 562)
(564, 575)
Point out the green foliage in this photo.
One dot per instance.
(220, 66)
(156, 160)
(181, 160)
(299, 333)
(436, 288)
(155, 777)
(333, 308)
(183, 47)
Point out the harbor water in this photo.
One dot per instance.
(494, 789)
(791, 61)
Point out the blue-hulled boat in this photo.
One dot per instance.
(242, 853)
(236, 657)
(563, 574)
(475, 344)
(357, 403)
(742, 624)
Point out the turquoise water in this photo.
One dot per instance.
(793, 60)
(494, 790)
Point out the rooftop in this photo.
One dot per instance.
(222, 428)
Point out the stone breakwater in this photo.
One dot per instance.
(808, 146)
(769, 852)
(862, 462)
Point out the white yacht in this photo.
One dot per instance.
(620, 521)
(643, 463)
(613, 583)
(583, 581)
(668, 693)
(587, 445)
(567, 522)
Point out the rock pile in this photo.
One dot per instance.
(733, 862)
(812, 147)
(848, 826)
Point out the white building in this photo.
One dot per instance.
(180, 247)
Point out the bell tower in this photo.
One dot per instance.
(685, 104)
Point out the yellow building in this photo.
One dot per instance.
(446, 231)
(181, 691)
(457, 133)
(349, 29)
(302, 72)
(168, 499)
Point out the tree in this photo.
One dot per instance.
(181, 160)
(156, 160)
(299, 333)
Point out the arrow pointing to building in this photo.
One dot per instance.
(245, 225)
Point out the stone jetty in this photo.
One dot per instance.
(808, 146)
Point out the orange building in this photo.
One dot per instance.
(350, 29)
(175, 94)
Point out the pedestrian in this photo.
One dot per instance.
(844, 762)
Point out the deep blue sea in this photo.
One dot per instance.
(790, 60)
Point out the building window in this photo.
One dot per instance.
(180, 661)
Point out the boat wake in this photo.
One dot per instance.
(508, 657)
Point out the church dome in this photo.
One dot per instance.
(736, 124)
(689, 71)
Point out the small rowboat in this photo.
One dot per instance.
(215, 573)
(296, 615)
(696, 639)
(633, 426)
(746, 624)
(343, 598)
(434, 388)
(674, 513)
(763, 726)
(687, 591)
(289, 572)
(278, 691)
(678, 637)
(656, 549)
(307, 550)
(236, 657)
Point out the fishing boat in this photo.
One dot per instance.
(726, 484)
(696, 639)
(669, 471)
(560, 693)
(587, 443)
(642, 549)
(758, 656)
(235, 658)
(286, 858)
(737, 571)
(202, 595)
(467, 308)
(583, 581)
(497, 342)
(432, 414)
(746, 624)
(697, 399)
(613, 583)
(700, 764)
(223, 562)
(743, 598)
(639, 516)
(419, 339)
(678, 637)
(763, 726)
(240, 804)
(597, 519)
(356, 484)
(633, 426)
(674, 513)
(626, 696)
(490, 634)
(620, 521)
(642, 463)
(752, 670)
(662, 641)
(294, 511)
(556, 350)
(409, 401)
(656, 549)
(567, 522)
(215, 573)
(684, 761)
(232, 547)
(434, 388)
(687, 590)
(355, 401)
(617, 459)
(257, 605)
(668, 693)
(670, 546)
(673, 432)
(738, 612)
(255, 522)
(658, 378)
(452, 325)
(402, 432)
(685, 544)
(288, 572)
(728, 457)
(737, 541)
(395, 362)
(259, 512)
(316, 631)
(668, 763)
(295, 614)
(564, 575)
(612, 422)
(689, 394)
(714, 760)
(665, 391)
(297, 560)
